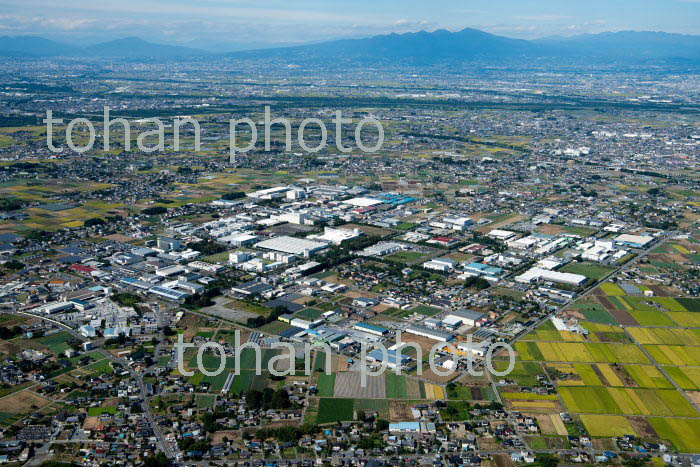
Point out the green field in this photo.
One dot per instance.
(395, 386)
(334, 410)
(592, 271)
(275, 327)
(598, 316)
(326, 385)
(310, 314)
(612, 289)
(57, 343)
(652, 318)
(426, 310)
(98, 368)
(406, 257)
(523, 372)
(211, 361)
(602, 400)
(690, 304)
(216, 382)
(241, 383)
(580, 352)
(381, 406)
(205, 402)
(684, 434)
(607, 425)
(95, 411)
(648, 377)
(687, 378)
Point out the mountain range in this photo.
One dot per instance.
(418, 48)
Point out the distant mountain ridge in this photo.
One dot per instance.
(415, 48)
(133, 47)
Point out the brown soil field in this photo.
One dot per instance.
(694, 395)
(642, 427)
(490, 444)
(399, 411)
(23, 402)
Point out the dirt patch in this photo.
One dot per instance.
(575, 314)
(359, 294)
(376, 231)
(424, 343)
(643, 428)
(621, 373)
(660, 291)
(604, 444)
(600, 375)
(90, 423)
(400, 411)
(694, 395)
(282, 423)
(303, 300)
(622, 317)
(503, 460)
(218, 437)
(339, 363)
(23, 402)
(504, 223)
(430, 376)
(490, 444)
(119, 238)
(9, 348)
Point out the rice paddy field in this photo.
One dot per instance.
(620, 377)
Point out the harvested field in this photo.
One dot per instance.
(22, 402)
(622, 316)
(643, 428)
(490, 444)
(400, 411)
(555, 422)
(348, 384)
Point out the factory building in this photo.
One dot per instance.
(434, 334)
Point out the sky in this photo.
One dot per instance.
(221, 25)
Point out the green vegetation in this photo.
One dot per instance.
(592, 271)
(334, 410)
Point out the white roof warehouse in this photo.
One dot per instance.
(537, 274)
(292, 245)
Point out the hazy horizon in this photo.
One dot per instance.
(219, 25)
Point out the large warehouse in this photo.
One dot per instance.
(434, 334)
(293, 246)
(538, 274)
(465, 316)
(635, 241)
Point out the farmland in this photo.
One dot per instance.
(618, 380)
(334, 410)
